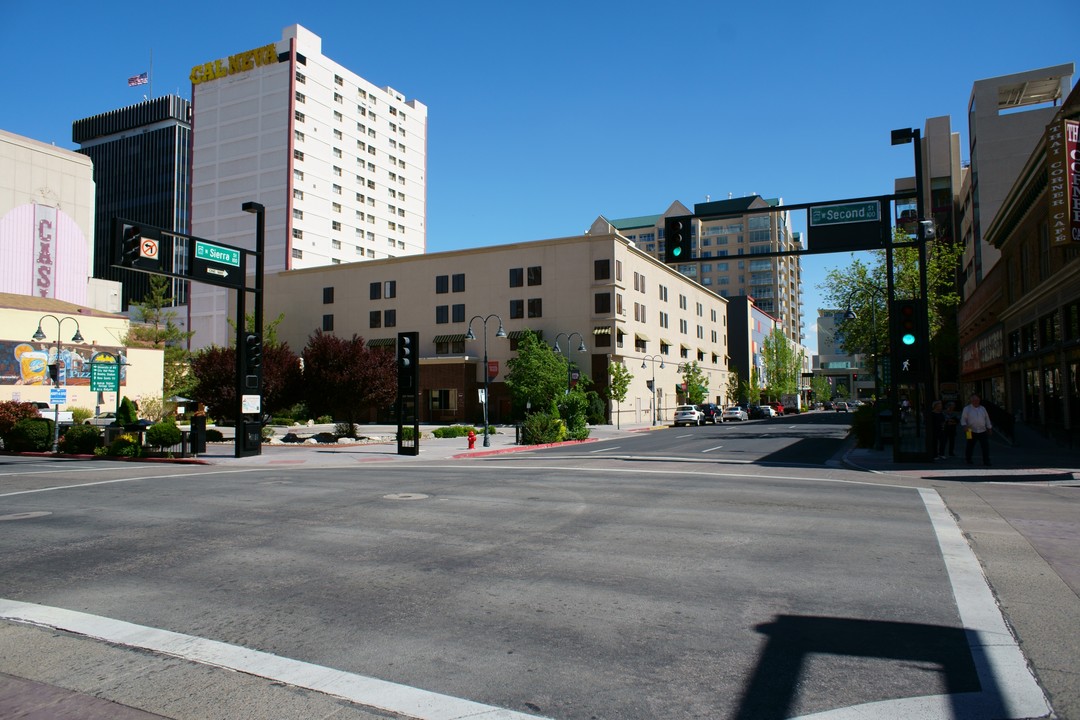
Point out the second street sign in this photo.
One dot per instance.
(849, 213)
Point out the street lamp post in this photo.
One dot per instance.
(77, 338)
(653, 359)
(500, 333)
(569, 364)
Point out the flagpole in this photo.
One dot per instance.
(151, 75)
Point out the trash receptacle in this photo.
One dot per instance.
(197, 435)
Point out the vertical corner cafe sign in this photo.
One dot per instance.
(846, 226)
(1063, 173)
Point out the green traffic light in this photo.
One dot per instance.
(676, 251)
(908, 339)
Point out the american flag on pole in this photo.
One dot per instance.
(138, 80)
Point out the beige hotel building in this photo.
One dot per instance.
(597, 289)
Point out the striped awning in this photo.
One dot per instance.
(605, 330)
(518, 334)
(459, 337)
(381, 342)
(641, 336)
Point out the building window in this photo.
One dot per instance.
(442, 284)
(298, 253)
(534, 276)
(459, 282)
(663, 293)
(536, 307)
(442, 314)
(443, 400)
(390, 289)
(328, 295)
(602, 303)
(517, 309)
(374, 319)
(454, 347)
(375, 289)
(300, 97)
(297, 233)
(602, 269)
(335, 224)
(328, 323)
(663, 319)
(517, 277)
(602, 340)
(300, 79)
(458, 313)
(390, 318)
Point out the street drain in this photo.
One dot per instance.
(405, 496)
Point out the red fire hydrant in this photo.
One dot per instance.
(472, 439)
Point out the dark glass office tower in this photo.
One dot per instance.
(142, 168)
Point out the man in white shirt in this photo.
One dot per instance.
(975, 422)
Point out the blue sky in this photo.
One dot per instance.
(543, 116)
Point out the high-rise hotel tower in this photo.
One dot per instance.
(339, 164)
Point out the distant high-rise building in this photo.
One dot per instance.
(1007, 117)
(725, 236)
(142, 168)
(339, 164)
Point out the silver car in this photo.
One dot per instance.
(688, 415)
(734, 413)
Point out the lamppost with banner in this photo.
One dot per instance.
(569, 365)
(76, 338)
(652, 383)
(500, 333)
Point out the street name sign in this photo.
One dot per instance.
(217, 264)
(858, 212)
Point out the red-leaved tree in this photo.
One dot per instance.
(215, 371)
(344, 378)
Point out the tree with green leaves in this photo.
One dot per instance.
(862, 287)
(783, 366)
(619, 385)
(537, 376)
(154, 327)
(821, 388)
(696, 381)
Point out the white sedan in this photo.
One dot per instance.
(734, 413)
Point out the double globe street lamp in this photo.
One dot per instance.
(569, 364)
(39, 336)
(500, 333)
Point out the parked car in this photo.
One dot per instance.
(761, 412)
(778, 408)
(105, 418)
(710, 412)
(688, 415)
(841, 406)
(734, 413)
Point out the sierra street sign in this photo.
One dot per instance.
(217, 264)
(217, 253)
(849, 213)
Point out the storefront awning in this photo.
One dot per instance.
(518, 334)
(381, 342)
(641, 336)
(665, 341)
(460, 337)
(601, 330)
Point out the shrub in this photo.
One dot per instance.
(30, 435)
(126, 445)
(407, 433)
(596, 414)
(573, 410)
(453, 431)
(214, 435)
(80, 415)
(11, 413)
(541, 428)
(324, 420)
(163, 434)
(282, 420)
(345, 430)
(80, 440)
(126, 415)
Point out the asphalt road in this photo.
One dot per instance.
(549, 586)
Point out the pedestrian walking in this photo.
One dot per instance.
(937, 430)
(976, 424)
(952, 422)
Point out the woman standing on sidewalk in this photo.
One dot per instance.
(976, 423)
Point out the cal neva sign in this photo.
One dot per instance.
(241, 62)
(1063, 171)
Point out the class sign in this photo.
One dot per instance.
(239, 63)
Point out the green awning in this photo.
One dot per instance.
(381, 342)
(459, 337)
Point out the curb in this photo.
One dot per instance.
(521, 448)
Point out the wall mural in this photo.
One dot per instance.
(22, 363)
